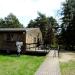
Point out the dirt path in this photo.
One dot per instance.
(66, 56)
(50, 66)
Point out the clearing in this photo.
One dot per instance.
(23, 65)
(67, 62)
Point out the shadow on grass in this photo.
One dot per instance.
(36, 53)
(29, 53)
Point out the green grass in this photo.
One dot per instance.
(23, 65)
(68, 68)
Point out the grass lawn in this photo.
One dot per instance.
(67, 68)
(23, 65)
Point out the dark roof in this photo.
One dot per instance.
(17, 29)
(12, 29)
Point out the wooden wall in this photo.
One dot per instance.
(6, 44)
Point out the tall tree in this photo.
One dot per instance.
(68, 24)
(2, 23)
(10, 21)
(45, 24)
(68, 12)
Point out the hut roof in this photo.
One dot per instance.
(17, 29)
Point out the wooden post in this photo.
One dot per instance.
(58, 49)
(24, 41)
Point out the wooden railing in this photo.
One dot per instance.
(36, 47)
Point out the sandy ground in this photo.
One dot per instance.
(66, 56)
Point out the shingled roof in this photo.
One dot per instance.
(17, 29)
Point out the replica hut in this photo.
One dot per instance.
(30, 37)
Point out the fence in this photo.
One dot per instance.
(36, 47)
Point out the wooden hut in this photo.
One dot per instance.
(29, 36)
